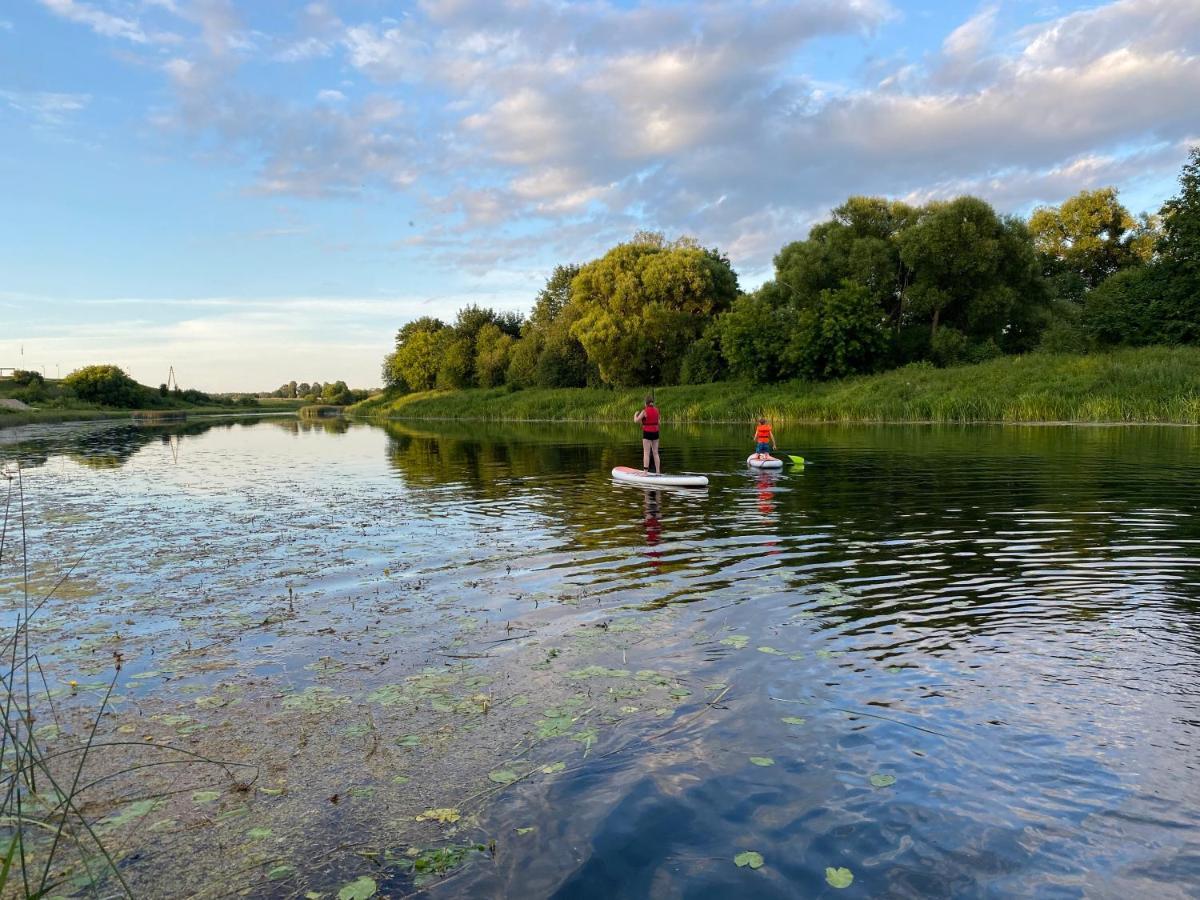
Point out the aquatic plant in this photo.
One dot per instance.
(47, 841)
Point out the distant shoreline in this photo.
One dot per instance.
(1156, 385)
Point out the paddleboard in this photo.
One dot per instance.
(653, 479)
(767, 462)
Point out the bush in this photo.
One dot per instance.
(27, 378)
(1150, 305)
(106, 385)
(840, 334)
(949, 346)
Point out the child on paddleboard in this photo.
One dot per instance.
(764, 439)
(648, 417)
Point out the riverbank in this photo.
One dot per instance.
(1152, 385)
(10, 418)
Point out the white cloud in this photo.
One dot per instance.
(101, 22)
(47, 108)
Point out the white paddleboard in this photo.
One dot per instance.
(767, 462)
(653, 479)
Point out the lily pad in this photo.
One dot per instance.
(839, 878)
(770, 650)
(792, 720)
(554, 767)
(736, 641)
(359, 889)
(762, 760)
(281, 872)
(881, 781)
(206, 796)
(409, 740)
(257, 834)
(531, 828)
(503, 776)
(748, 858)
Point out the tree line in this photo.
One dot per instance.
(881, 284)
(333, 392)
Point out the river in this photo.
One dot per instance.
(459, 658)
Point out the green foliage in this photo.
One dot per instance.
(27, 378)
(644, 303)
(755, 334)
(523, 361)
(493, 352)
(1154, 384)
(838, 334)
(1150, 305)
(414, 364)
(105, 385)
(974, 271)
(1088, 238)
(703, 363)
(1180, 243)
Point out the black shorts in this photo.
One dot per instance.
(649, 435)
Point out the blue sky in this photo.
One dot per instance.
(253, 192)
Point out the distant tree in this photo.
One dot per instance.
(1180, 242)
(974, 271)
(106, 385)
(553, 298)
(163, 390)
(838, 335)
(493, 349)
(523, 361)
(303, 388)
(413, 365)
(1088, 238)
(291, 389)
(640, 306)
(704, 363)
(755, 334)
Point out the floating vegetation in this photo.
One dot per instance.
(749, 858)
(444, 815)
(792, 720)
(839, 878)
(359, 889)
(762, 760)
(880, 780)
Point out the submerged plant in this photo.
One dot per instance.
(47, 843)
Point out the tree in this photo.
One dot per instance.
(840, 334)
(553, 298)
(1088, 238)
(640, 307)
(523, 361)
(975, 271)
(106, 385)
(861, 243)
(291, 389)
(413, 365)
(755, 332)
(1180, 244)
(493, 349)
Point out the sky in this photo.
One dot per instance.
(255, 191)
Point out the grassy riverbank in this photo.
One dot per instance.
(10, 418)
(1156, 384)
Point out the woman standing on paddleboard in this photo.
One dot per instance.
(648, 417)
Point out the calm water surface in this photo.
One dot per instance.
(1005, 621)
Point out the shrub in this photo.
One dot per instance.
(106, 385)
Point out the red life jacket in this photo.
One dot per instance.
(762, 434)
(650, 419)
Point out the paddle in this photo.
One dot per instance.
(790, 457)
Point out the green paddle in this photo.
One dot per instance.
(791, 457)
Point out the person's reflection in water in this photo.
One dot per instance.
(653, 527)
(764, 484)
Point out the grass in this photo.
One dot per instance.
(1154, 384)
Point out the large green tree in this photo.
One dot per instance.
(641, 306)
(974, 271)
